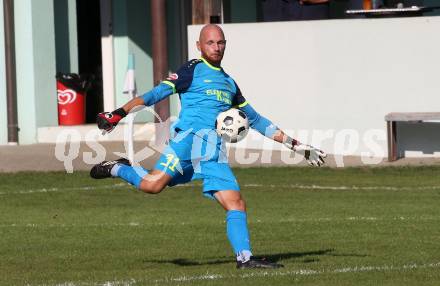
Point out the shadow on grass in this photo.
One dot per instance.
(327, 252)
(270, 257)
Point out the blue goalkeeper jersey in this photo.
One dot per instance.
(205, 91)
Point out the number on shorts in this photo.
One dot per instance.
(171, 159)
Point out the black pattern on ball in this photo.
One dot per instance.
(241, 129)
(228, 121)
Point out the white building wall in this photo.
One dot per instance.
(3, 109)
(330, 83)
(35, 60)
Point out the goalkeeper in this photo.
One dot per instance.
(205, 90)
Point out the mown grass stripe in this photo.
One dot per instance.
(349, 269)
(293, 186)
(293, 220)
(260, 274)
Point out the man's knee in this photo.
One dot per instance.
(231, 200)
(151, 187)
(154, 182)
(240, 205)
(235, 205)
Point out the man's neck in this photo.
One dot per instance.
(217, 65)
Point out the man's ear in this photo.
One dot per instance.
(198, 45)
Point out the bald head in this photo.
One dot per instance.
(212, 44)
(211, 28)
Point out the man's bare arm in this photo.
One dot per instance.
(135, 102)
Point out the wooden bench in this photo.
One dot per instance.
(393, 117)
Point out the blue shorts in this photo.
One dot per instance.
(198, 155)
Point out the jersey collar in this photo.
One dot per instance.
(209, 65)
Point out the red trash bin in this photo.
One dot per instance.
(71, 102)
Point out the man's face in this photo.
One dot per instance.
(212, 45)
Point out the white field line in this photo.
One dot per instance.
(293, 186)
(349, 188)
(303, 272)
(49, 190)
(85, 188)
(264, 273)
(287, 220)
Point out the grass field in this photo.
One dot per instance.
(354, 226)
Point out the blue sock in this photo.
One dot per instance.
(237, 231)
(132, 175)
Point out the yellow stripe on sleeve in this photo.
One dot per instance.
(243, 104)
(170, 84)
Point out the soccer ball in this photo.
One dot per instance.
(232, 125)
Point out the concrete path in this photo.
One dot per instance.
(80, 156)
